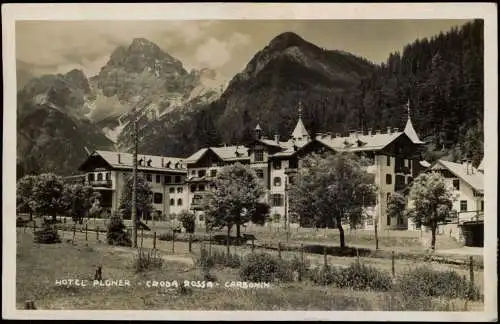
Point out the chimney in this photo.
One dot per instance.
(352, 133)
(119, 158)
(388, 130)
(162, 162)
(277, 138)
(338, 135)
(369, 132)
(377, 131)
(396, 130)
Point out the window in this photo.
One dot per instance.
(91, 177)
(179, 189)
(259, 155)
(158, 178)
(456, 184)
(193, 172)
(213, 173)
(388, 198)
(277, 200)
(177, 179)
(158, 198)
(388, 161)
(463, 205)
(168, 179)
(291, 179)
(277, 164)
(99, 176)
(149, 178)
(201, 187)
(172, 202)
(171, 190)
(201, 173)
(108, 176)
(179, 202)
(388, 179)
(482, 205)
(260, 173)
(277, 181)
(193, 188)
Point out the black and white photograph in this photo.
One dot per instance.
(325, 158)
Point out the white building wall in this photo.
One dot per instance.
(278, 173)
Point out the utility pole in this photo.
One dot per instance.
(134, 183)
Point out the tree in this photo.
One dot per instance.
(144, 197)
(187, 219)
(330, 189)
(261, 213)
(78, 200)
(396, 206)
(430, 201)
(48, 195)
(24, 194)
(234, 198)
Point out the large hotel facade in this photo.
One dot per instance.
(179, 184)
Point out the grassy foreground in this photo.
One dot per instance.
(39, 266)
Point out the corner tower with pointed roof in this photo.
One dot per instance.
(409, 130)
(300, 134)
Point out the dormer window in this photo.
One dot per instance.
(169, 164)
(149, 162)
(140, 161)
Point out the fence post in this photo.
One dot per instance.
(227, 245)
(34, 226)
(210, 243)
(86, 232)
(357, 255)
(142, 236)
(154, 240)
(393, 264)
(253, 244)
(74, 233)
(325, 257)
(471, 271)
(190, 242)
(97, 233)
(173, 241)
(301, 261)
(279, 250)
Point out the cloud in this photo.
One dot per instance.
(214, 53)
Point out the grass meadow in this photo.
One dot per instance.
(40, 265)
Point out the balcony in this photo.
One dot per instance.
(101, 183)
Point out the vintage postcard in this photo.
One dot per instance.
(250, 161)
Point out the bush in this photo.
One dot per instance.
(206, 261)
(356, 276)
(47, 235)
(424, 281)
(188, 221)
(145, 261)
(116, 234)
(263, 267)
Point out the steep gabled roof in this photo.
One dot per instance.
(120, 160)
(475, 179)
(412, 134)
(231, 153)
(360, 142)
(225, 153)
(300, 131)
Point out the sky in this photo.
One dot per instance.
(47, 47)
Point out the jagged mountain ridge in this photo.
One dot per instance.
(99, 108)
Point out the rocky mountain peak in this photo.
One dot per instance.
(286, 40)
